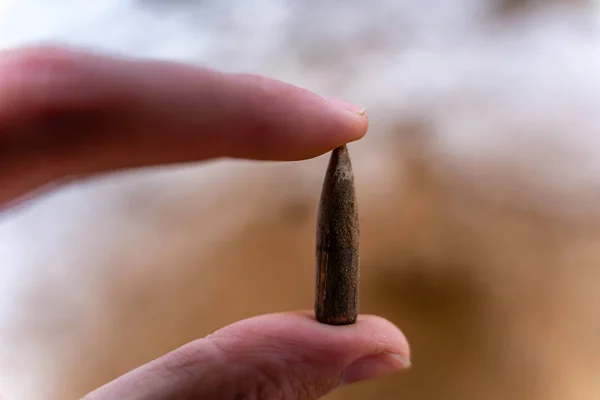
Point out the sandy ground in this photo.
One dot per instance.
(477, 184)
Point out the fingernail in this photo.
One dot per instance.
(344, 105)
(374, 366)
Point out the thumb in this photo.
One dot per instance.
(274, 356)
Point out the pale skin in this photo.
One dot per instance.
(67, 114)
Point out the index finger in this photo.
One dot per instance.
(66, 112)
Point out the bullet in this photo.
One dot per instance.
(337, 256)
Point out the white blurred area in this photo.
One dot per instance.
(478, 185)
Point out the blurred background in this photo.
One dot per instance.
(477, 185)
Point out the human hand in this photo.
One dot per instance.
(68, 114)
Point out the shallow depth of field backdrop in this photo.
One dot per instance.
(478, 187)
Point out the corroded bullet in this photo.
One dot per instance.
(336, 299)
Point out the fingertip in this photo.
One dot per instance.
(370, 334)
(375, 327)
(390, 337)
(370, 348)
(357, 115)
(357, 122)
(295, 123)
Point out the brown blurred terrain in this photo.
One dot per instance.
(491, 277)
